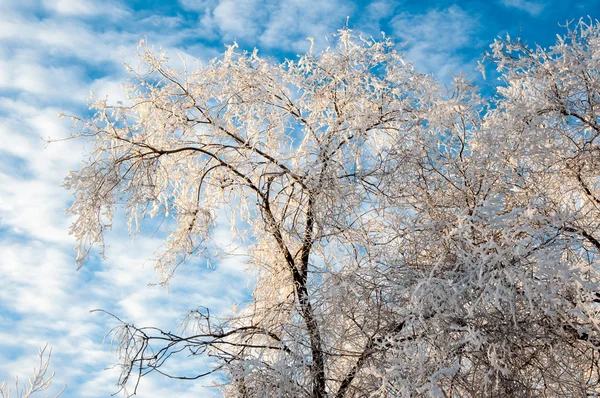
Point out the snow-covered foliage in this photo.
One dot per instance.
(407, 239)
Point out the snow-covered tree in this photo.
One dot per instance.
(39, 380)
(407, 239)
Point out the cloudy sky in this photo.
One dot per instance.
(53, 53)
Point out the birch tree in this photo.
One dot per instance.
(408, 239)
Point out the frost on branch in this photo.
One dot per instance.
(39, 381)
(408, 239)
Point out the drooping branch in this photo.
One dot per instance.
(140, 355)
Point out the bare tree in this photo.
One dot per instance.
(403, 244)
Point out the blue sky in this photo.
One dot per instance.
(54, 52)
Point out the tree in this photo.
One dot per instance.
(407, 239)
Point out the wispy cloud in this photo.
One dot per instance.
(533, 8)
(292, 22)
(272, 24)
(52, 53)
(435, 39)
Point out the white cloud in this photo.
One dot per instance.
(48, 65)
(443, 30)
(33, 201)
(61, 38)
(53, 303)
(38, 277)
(29, 208)
(86, 8)
(533, 8)
(239, 19)
(374, 14)
(271, 24)
(45, 82)
(292, 22)
(434, 39)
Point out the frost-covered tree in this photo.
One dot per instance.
(39, 380)
(407, 239)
